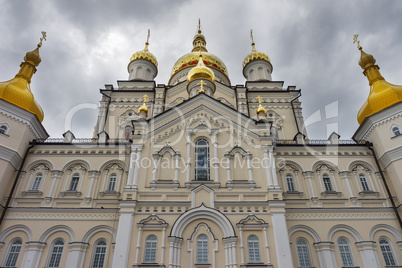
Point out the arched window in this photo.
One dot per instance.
(13, 253)
(364, 182)
(303, 254)
(3, 129)
(151, 244)
(253, 249)
(327, 183)
(112, 182)
(99, 254)
(387, 252)
(290, 183)
(346, 255)
(74, 182)
(202, 160)
(202, 249)
(36, 183)
(128, 130)
(55, 254)
(396, 131)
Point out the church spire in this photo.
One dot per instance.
(382, 94)
(199, 42)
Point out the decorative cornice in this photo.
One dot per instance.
(10, 156)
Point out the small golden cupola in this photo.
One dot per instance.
(18, 90)
(201, 79)
(261, 112)
(257, 65)
(143, 110)
(382, 94)
(143, 64)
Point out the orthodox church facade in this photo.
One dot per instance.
(200, 173)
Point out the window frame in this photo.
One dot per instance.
(57, 254)
(305, 253)
(9, 259)
(151, 249)
(202, 249)
(75, 179)
(197, 149)
(36, 183)
(327, 183)
(365, 185)
(347, 260)
(255, 248)
(114, 183)
(95, 260)
(393, 259)
(291, 182)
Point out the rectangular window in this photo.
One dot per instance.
(35, 185)
(364, 183)
(74, 184)
(112, 183)
(289, 181)
(327, 184)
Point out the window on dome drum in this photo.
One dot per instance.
(150, 249)
(112, 182)
(56, 253)
(13, 253)
(327, 183)
(202, 160)
(36, 183)
(253, 249)
(3, 129)
(364, 183)
(387, 252)
(74, 182)
(346, 255)
(99, 255)
(396, 131)
(290, 183)
(303, 254)
(202, 249)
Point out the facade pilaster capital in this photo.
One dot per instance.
(308, 174)
(34, 245)
(267, 148)
(94, 173)
(366, 245)
(56, 173)
(324, 245)
(345, 174)
(78, 245)
(175, 240)
(136, 147)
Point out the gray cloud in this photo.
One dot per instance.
(310, 45)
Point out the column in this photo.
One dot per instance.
(281, 236)
(44, 180)
(33, 253)
(137, 165)
(138, 245)
(346, 176)
(308, 175)
(105, 180)
(76, 254)
(371, 181)
(266, 244)
(82, 180)
(273, 167)
(334, 180)
(368, 254)
(284, 185)
(216, 159)
(176, 168)
(155, 169)
(326, 256)
(267, 167)
(357, 181)
(67, 179)
(29, 180)
(297, 180)
(56, 174)
(229, 176)
(241, 245)
(93, 175)
(123, 239)
(188, 156)
(250, 171)
(163, 245)
(133, 156)
(320, 180)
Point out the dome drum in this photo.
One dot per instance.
(258, 70)
(142, 70)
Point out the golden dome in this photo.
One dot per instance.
(260, 109)
(255, 54)
(18, 90)
(200, 72)
(382, 94)
(143, 108)
(144, 54)
(191, 59)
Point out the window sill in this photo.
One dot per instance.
(109, 193)
(369, 193)
(164, 184)
(256, 265)
(331, 193)
(70, 193)
(240, 184)
(31, 192)
(149, 265)
(210, 183)
(202, 265)
(292, 193)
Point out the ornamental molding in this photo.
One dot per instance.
(11, 156)
(391, 156)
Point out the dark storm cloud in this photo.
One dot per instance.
(310, 45)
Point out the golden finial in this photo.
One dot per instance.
(144, 108)
(356, 41)
(145, 97)
(42, 38)
(199, 25)
(251, 36)
(259, 100)
(260, 110)
(149, 34)
(202, 83)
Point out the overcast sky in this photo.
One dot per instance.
(89, 44)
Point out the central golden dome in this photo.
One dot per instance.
(200, 72)
(191, 59)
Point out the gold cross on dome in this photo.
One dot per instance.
(202, 84)
(356, 41)
(145, 97)
(42, 38)
(259, 99)
(149, 34)
(251, 36)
